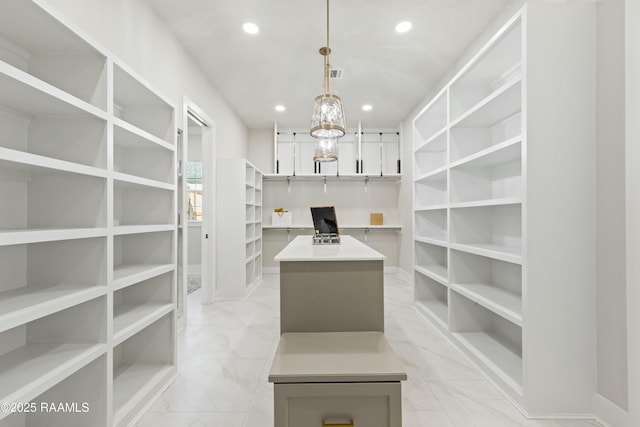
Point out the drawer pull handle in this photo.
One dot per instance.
(337, 423)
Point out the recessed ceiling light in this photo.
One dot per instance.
(403, 27)
(250, 28)
(367, 107)
(280, 108)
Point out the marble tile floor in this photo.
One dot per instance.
(225, 354)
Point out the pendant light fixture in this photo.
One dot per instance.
(326, 150)
(327, 122)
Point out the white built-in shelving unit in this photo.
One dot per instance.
(368, 172)
(238, 228)
(502, 188)
(363, 153)
(87, 228)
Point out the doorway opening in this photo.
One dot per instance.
(196, 198)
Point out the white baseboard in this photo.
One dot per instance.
(405, 275)
(609, 414)
(271, 270)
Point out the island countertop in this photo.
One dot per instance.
(349, 249)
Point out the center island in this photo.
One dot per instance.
(331, 288)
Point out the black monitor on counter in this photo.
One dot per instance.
(325, 225)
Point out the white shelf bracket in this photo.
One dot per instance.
(366, 234)
(366, 183)
(288, 184)
(288, 235)
(325, 184)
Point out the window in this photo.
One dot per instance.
(194, 191)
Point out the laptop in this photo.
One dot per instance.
(325, 225)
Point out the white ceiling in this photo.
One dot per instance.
(281, 64)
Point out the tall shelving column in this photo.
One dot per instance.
(53, 221)
(238, 228)
(144, 231)
(87, 229)
(491, 162)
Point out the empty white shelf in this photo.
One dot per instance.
(36, 235)
(30, 370)
(25, 304)
(436, 310)
(125, 275)
(129, 319)
(494, 355)
(133, 383)
(503, 253)
(502, 302)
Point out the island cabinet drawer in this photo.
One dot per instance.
(338, 404)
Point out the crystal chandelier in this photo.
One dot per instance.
(327, 122)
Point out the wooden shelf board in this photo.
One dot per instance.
(30, 370)
(26, 304)
(133, 383)
(436, 310)
(438, 241)
(502, 302)
(441, 206)
(430, 145)
(124, 180)
(128, 274)
(436, 272)
(30, 95)
(38, 235)
(137, 229)
(137, 138)
(436, 175)
(487, 202)
(495, 155)
(486, 113)
(128, 319)
(34, 163)
(495, 356)
(503, 253)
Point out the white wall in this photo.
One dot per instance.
(633, 203)
(611, 262)
(260, 150)
(131, 31)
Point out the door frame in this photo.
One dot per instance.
(208, 235)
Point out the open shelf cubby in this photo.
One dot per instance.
(76, 401)
(140, 304)
(141, 365)
(494, 231)
(39, 279)
(432, 122)
(431, 224)
(432, 297)
(141, 107)
(141, 256)
(431, 190)
(432, 260)
(488, 73)
(137, 155)
(497, 174)
(494, 284)
(39, 197)
(53, 54)
(36, 355)
(139, 204)
(431, 156)
(490, 340)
